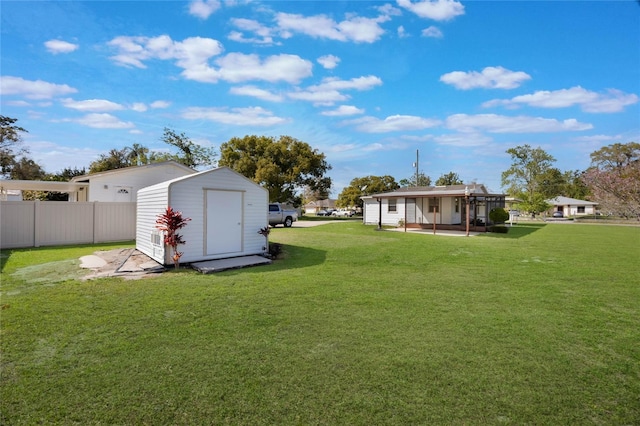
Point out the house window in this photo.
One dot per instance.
(122, 191)
(581, 209)
(391, 205)
(434, 203)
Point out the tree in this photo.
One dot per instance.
(193, 155)
(450, 178)
(115, 159)
(359, 187)
(614, 178)
(283, 166)
(10, 140)
(422, 180)
(169, 223)
(523, 178)
(138, 155)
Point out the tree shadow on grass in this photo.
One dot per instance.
(516, 231)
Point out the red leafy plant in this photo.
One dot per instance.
(169, 223)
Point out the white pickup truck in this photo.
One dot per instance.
(279, 215)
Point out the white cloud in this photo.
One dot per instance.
(31, 89)
(402, 33)
(463, 139)
(256, 92)
(60, 46)
(264, 34)
(193, 54)
(503, 124)
(92, 105)
(433, 32)
(354, 28)
(393, 123)
(611, 101)
(102, 121)
(238, 67)
(252, 116)
(329, 90)
(160, 104)
(329, 61)
(343, 110)
(489, 78)
(203, 8)
(437, 10)
(318, 97)
(139, 107)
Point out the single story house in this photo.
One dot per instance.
(314, 207)
(572, 207)
(451, 207)
(122, 185)
(226, 209)
(118, 185)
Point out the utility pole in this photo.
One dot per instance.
(416, 166)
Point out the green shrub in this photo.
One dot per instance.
(498, 229)
(498, 215)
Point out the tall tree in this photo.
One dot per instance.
(450, 178)
(614, 178)
(359, 187)
(114, 159)
(10, 141)
(283, 166)
(420, 180)
(191, 154)
(523, 178)
(138, 155)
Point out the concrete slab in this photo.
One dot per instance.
(218, 265)
(92, 262)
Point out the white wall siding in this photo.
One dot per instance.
(152, 201)
(371, 212)
(105, 188)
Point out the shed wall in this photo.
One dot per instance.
(188, 196)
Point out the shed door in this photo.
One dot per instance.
(224, 222)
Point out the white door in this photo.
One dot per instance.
(224, 222)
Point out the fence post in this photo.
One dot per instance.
(93, 226)
(36, 225)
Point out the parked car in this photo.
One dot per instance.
(323, 213)
(347, 213)
(558, 214)
(279, 215)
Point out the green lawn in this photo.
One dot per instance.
(353, 326)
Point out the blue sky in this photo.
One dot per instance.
(366, 83)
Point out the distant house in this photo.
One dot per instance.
(572, 207)
(122, 185)
(442, 206)
(314, 207)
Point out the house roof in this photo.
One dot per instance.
(168, 183)
(41, 185)
(86, 178)
(564, 201)
(474, 190)
(321, 203)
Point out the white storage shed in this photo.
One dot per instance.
(226, 210)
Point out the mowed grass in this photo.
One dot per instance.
(352, 326)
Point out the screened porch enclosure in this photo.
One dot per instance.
(450, 212)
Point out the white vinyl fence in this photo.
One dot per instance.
(49, 223)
